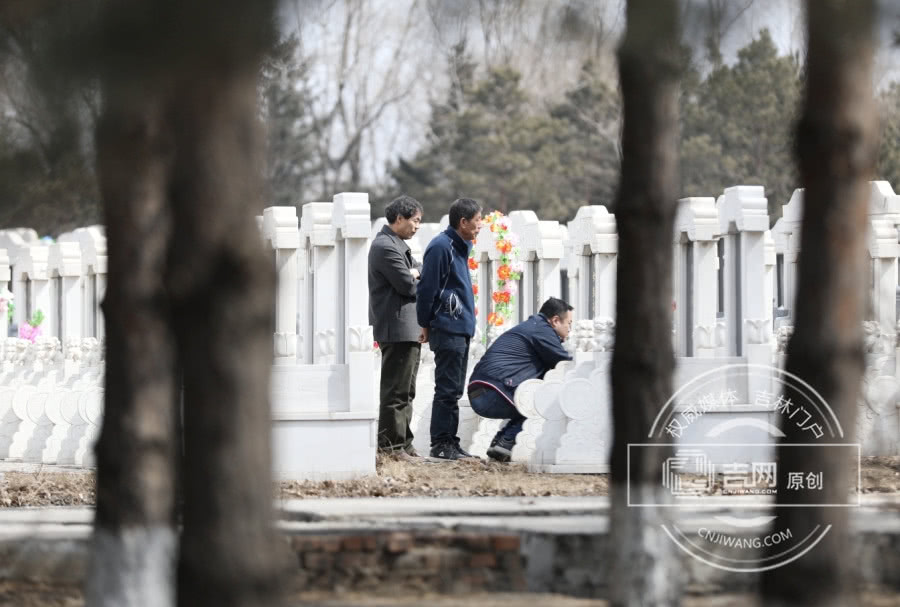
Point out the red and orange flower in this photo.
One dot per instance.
(503, 272)
(500, 297)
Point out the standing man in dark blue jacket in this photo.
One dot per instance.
(526, 351)
(445, 309)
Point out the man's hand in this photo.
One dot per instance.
(423, 336)
(415, 273)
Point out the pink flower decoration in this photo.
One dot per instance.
(26, 331)
(511, 288)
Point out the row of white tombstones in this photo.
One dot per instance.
(51, 407)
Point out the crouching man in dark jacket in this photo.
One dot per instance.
(526, 351)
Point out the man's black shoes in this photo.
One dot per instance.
(446, 451)
(449, 451)
(501, 449)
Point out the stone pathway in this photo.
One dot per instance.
(449, 546)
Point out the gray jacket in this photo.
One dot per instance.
(392, 289)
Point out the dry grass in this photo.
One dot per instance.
(400, 478)
(43, 488)
(395, 478)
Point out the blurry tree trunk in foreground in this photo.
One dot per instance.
(190, 294)
(135, 541)
(641, 554)
(836, 146)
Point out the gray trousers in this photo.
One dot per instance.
(399, 366)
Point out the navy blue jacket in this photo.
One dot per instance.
(526, 351)
(444, 298)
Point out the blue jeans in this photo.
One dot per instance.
(451, 355)
(489, 403)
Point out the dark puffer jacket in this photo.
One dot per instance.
(444, 298)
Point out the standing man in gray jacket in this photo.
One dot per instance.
(392, 313)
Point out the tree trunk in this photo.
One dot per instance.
(134, 541)
(641, 555)
(191, 294)
(223, 286)
(836, 145)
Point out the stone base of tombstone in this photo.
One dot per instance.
(315, 435)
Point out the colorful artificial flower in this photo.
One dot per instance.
(509, 270)
(31, 329)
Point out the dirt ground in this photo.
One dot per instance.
(395, 478)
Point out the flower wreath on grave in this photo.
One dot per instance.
(508, 272)
(31, 330)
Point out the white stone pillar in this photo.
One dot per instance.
(545, 239)
(697, 227)
(485, 254)
(884, 249)
(521, 223)
(280, 228)
(769, 286)
(352, 230)
(94, 264)
(884, 217)
(321, 286)
(32, 272)
(790, 226)
(16, 242)
(745, 209)
(66, 266)
(593, 234)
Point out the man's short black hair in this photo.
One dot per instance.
(555, 307)
(402, 206)
(463, 208)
